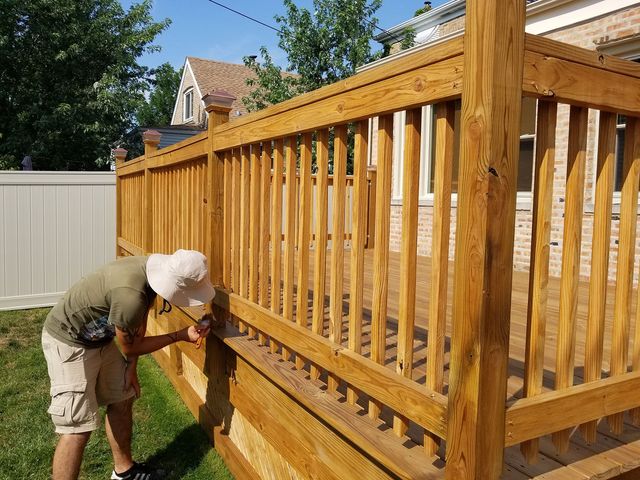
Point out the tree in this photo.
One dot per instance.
(321, 48)
(70, 83)
(157, 110)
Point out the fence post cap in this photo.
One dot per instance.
(218, 99)
(120, 154)
(151, 137)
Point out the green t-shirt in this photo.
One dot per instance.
(115, 295)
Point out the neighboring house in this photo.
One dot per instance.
(609, 26)
(199, 77)
(173, 133)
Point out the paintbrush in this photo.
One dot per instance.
(202, 324)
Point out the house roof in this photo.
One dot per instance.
(211, 75)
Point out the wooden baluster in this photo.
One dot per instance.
(627, 236)
(245, 190)
(235, 221)
(408, 253)
(571, 258)
(289, 237)
(254, 228)
(381, 248)
(442, 184)
(539, 263)
(600, 257)
(265, 184)
(624, 274)
(336, 288)
(226, 236)
(321, 220)
(276, 233)
(304, 220)
(358, 243)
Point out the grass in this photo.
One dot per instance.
(165, 433)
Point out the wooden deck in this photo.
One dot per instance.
(610, 456)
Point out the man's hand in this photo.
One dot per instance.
(131, 378)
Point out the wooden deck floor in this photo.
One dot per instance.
(550, 465)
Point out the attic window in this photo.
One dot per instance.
(188, 105)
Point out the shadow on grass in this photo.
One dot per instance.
(185, 452)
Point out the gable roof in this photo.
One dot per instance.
(210, 75)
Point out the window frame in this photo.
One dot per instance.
(187, 93)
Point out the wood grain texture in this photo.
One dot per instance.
(572, 240)
(359, 229)
(409, 251)
(580, 85)
(337, 244)
(276, 232)
(245, 205)
(235, 221)
(442, 175)
(289, 236)
(425, 407)
(381, 248)
(489, 149)
(539, 262)
(265, 228)
(435, 82)
(226, 234)
(321, 237)
(600, 256)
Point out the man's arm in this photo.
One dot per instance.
(133, 343)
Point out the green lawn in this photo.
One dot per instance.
(165, 433)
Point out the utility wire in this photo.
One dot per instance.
(375, 25)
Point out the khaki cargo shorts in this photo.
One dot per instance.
(81, 380)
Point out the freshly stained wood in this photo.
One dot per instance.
(442, 175)
(359, 229)
(489, 150)
(407, 90)
(539, 263)
(626, 254)
(265, 225)
(381, 249)
(289, 238)
(576, 157)
(304, 226)
(245, 197)
(235, 221)
(226, 234)
(254, 226)
(600, 256)
(321, 236)
(276, 231)
(337, 244)
(408, 249)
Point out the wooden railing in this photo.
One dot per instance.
(244, 193)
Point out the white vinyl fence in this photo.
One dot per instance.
(55, 227)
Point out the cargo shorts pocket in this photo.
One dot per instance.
(71, 409)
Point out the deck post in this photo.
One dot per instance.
(489, 148)
(218, 105)
(151, 139)
(120, 155)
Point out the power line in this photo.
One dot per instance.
(247, 16)
(375, 25)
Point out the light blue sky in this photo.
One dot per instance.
(201, 29)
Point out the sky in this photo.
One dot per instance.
(200, 28)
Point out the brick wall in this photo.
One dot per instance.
(586, 35)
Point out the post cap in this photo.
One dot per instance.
(218, 100)
(120, 154)
(151, 137)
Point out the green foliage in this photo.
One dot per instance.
(165, 433)
(321, 48)
(270, 85)
(69, 78)
(408, 38)
(425, 9)
(157, 110)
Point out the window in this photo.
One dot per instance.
(188, 105)
(527, 136)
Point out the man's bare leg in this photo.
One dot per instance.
(68, 456)
(119, 425)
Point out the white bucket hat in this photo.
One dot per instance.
(182, 278)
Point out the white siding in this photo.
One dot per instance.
(55, 227)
